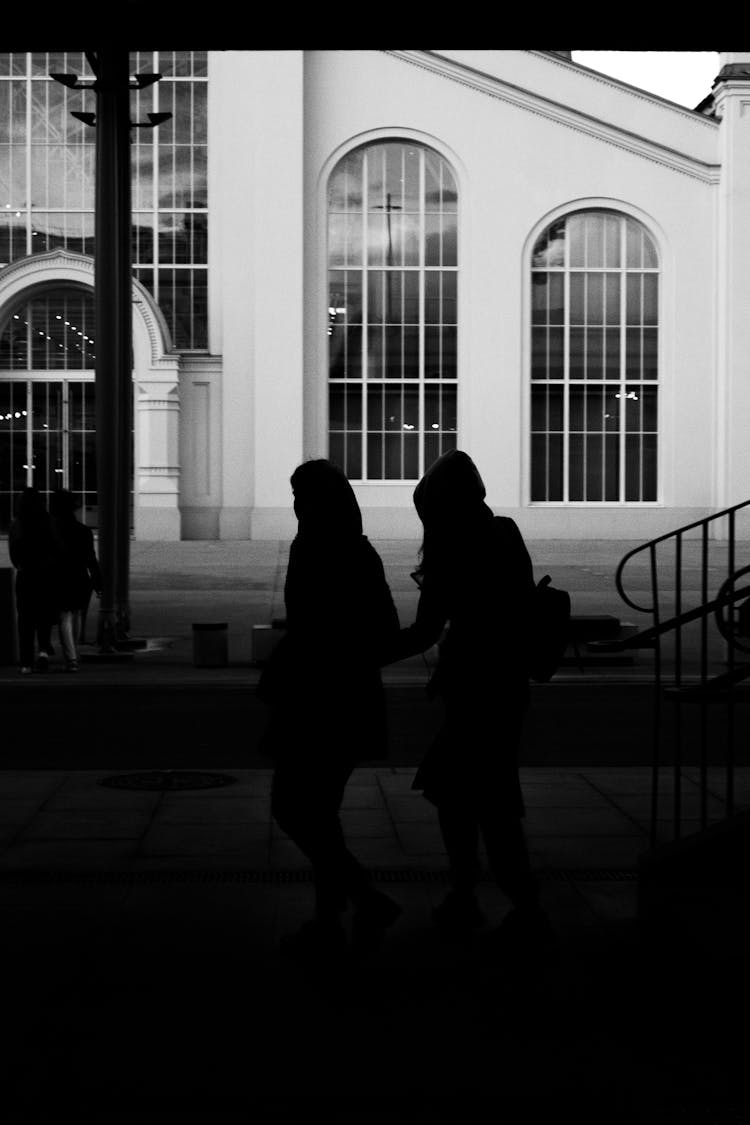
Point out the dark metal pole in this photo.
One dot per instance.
(112, 294)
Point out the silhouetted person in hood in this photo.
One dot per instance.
(324, 684)
(476, 581)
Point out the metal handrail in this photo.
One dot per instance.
(710, 689)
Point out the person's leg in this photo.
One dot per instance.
(460, 913)
(460, 833)
(67, 637)
(526, 929)
(305, 804)
(84, 612)
(46, 615)
(508, 857)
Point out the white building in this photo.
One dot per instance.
(374, 255)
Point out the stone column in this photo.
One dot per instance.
(731, 94)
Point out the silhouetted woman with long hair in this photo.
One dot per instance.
(476, 581)
(324, 685)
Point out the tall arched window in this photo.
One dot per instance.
(594, 347)
(392, 261)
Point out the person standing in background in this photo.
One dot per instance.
(77, 574)
(32, 552)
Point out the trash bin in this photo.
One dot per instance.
(7, 617)
(210, 645)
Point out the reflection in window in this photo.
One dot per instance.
(594, 345)
(392, 311)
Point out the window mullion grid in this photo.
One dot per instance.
(623, 354)
(421, 319)
(365, 315)
(65, 444)
(155, 179)
(29, 438)
(27, 201)
(641, 435)
(566, 384)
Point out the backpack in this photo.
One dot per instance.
(550, 630)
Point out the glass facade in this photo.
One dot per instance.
(47, 175)
(392, 315)
(47, 198)
(594, 348)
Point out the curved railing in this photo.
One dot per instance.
(670, 621)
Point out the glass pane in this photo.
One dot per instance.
(538, 467)
(410, 239)
(594, 353)
(577, 354)
(650, 302)
(432, 298)
(393, 352)
(432, 338)
(411, 353)
(411, 297)
(449, 367)
(594, 298)
(633, 245)
(336, 407)
(633, 353)
(374, 456)
(594, 468)
(612, 298)
(649, 477)
(611, 468)
(432, 240)
(577, 289)
(375, 419)
(449, 305)
(575, 467)
(633, 466)
(650, 344)
(354, 353)
(556, 343)
(375, 296)
(612, 408)
(612, 241)
(612, 352)
(353, 466)
(594, 240)
(575, 230)
(353, 408)
(375, 353)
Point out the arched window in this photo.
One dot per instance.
(392, 261)
(594, 347)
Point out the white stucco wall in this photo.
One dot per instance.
(519, 165)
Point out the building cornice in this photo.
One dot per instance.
(577, 120)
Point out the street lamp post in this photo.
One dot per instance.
(113, 320)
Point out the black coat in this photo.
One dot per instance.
(78, 570)
(476, 607)
(323, 681)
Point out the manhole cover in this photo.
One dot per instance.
(168, 779)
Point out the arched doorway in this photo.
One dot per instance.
(47, 370)
(47, 398)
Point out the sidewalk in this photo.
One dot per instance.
(140, 927)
